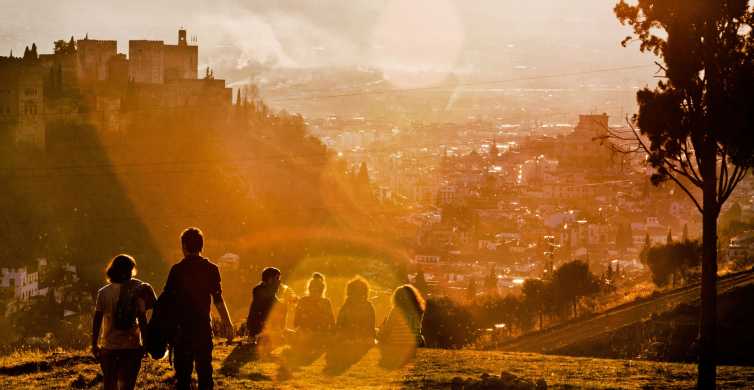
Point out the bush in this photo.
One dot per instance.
(448, 324)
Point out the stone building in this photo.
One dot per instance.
(88, 80)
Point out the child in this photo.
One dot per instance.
(401, 332)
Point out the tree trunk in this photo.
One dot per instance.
(540, 320)
(707, 368)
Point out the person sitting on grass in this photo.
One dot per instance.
(313, 326)
(121, 306)
(313, 319)
(354, 328)
(267, 313)
(401, 332)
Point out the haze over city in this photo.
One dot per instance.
(376, 194)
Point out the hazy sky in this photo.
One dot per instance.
(487, 36)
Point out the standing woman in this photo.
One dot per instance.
(121, 307)
(401, 332)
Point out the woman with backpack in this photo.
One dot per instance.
(401, 332)
(120, 319)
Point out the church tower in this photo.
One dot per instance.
(182, 37)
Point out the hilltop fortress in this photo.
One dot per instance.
(89, 80)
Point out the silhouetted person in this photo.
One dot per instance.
(195, 284)
(314, 315)
(401, 332)
(354, 328)
(122, 306)
(267, 313)
(313, 324)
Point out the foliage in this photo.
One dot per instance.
(447, 324)
(698, 120)
(672, 261)
(538, 296)
(573, 281)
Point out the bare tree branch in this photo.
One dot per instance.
(686, 190)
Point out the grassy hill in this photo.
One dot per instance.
(432, 369)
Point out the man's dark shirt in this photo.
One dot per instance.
(263, 300)
(194, 281)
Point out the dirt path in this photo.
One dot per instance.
(562, 336)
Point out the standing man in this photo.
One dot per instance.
(195, 283)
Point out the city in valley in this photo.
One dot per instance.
(424, 194)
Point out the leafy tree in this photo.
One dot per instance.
(573, 281)
(537, 296)
(447, 324)
(490, 310)
(63, 47)
(698, 120)
(660, 265)
(671, 262)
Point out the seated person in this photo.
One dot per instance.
(354, 328)
(314, 318)
(267, 314)
(401, 332)
(313, 324)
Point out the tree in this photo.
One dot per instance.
(573, 281)
(698, 120)
(490, 283)
(363, 187)
(420, 282)
(685, 236)
(660, 265)
(536, 297)
(669, 238)
(471, 290)
(447, 324)
(671, 262)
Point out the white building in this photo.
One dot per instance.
(27, 284)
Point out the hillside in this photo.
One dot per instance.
(671, 336)
(561, 336)
(432, 369)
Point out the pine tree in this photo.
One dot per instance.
(490, 284)
(669, 239)
(685, 237)
(609, 274)
(471, 290)
(695, 126)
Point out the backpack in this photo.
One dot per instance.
(163, 326)
(125, 309)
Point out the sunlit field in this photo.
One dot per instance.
(432, 369)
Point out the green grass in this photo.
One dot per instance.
(432, 369)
